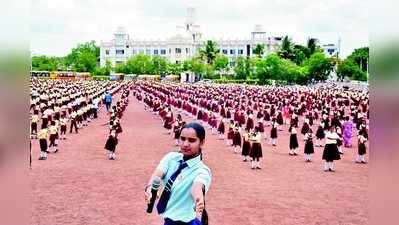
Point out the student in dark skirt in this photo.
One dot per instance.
(361, 149)
(320, 135)
(42, 135)
(168, 121)
(53, 130)
(293, 140)
(261, 127)
(250, 122)
(305, 127)
(256, 149)
(117, 127)
(230, 133)
(33, 125)
(221, 128)
(280, 120)
(309, 148)
(330, 152)
(111, 144)
(273, 132)
(246, 146)
(236, 140)
(63, 125)
(176, 130)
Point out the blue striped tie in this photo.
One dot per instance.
(163, 200)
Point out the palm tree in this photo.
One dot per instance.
(286, 51)
(209, 51)
(259, 50)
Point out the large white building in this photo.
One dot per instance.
(184, 44)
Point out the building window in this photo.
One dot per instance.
(118, 62)
(120, 52)
(156, 52)
(240, 51)
(187, 50)
(170, 51)
(224, 51)
(141, 51)
(331, 51)
(163, 51)
(134, 51)
(177, 50)
(232, 52)
(107, 52)
(148, 51)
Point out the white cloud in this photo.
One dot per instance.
(57, 25)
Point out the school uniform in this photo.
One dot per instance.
(309, 148)
(180, 206)
(246, 146)
(111, 143)
(42, 136)
(221, 127)
(33, 126)
(73, 122)
(53, 130)
(293, 139)
(236, 138)
(361, 149)
(273, 132)
(256, 147)
(330, 152)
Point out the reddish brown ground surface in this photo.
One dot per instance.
(78, 185)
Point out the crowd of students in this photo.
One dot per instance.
(56, 105)
(241, 114)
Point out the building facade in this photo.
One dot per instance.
(183, 45)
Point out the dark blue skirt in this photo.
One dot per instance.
(192, 222)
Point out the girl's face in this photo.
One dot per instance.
(189, 142)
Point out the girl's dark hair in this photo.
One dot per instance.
(199, 129)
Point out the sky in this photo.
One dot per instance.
(56, 26)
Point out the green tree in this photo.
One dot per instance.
(44, 63)
(361, 57)
(209, 51)
(221, 63)
(84, 57)
(350, 69)
(286, 50)
(159, 64)
(270, 67)
(259, 50)
(242, 68)
(105, 70)
(319, 66)
(300, 54)
(174, 68)
(139, 64)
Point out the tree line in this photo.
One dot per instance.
(292, 63)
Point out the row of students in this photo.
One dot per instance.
(115, 127)
(236, 142)
(74, 109)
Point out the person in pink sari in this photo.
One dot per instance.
(347, 135)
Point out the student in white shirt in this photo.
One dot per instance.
(331, 152)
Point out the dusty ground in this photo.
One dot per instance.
(78, 185)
